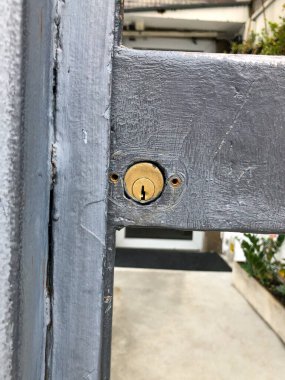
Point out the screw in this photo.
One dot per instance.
(175, 181)
(114, 178)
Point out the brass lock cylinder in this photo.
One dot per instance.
(144, 182)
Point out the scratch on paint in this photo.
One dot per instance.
(88, 210)
(248, 170)
(88, 375)
(85, 136)
(235, 118)
(94, 235)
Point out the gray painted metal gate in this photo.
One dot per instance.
(75, 107)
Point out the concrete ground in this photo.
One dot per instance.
(178, 325)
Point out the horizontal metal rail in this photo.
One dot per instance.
(215, 120)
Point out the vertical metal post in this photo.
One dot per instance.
(56, 247)
(82, 242)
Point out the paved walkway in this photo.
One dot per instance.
(176, 325)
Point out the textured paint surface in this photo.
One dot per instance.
(215, 120)
(10, 193)
(84, 66)
(36, 167)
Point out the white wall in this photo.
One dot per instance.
(196, 244)
(225, 19)
(181, 44)
(273, 11)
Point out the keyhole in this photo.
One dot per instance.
(143, 194)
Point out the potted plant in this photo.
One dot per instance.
(261, 278)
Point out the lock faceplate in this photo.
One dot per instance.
(144, 182)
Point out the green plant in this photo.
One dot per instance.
(249, 46)
(262, 264)
(281, 289)
(270, 42)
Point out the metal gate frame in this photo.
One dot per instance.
(76, 106)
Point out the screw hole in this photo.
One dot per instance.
(114, 177)
(175, 181)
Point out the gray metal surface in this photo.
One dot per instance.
(215, 120)
(37, 137)
(80, 309)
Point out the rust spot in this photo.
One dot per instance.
(114, 177)
(175, 181)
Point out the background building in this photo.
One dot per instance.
(193, 25)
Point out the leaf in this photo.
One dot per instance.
(280, 289)
(245, 245)
(280, 239)
(271, 42)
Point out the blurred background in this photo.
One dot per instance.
(208, 26)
